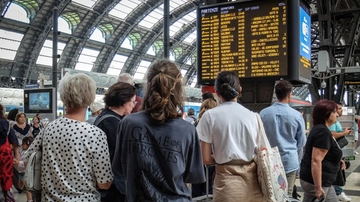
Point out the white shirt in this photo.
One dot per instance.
(75, 158)
(232, 129)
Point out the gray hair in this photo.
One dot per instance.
(77, 90)
(126, 78)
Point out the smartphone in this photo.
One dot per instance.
(322, 198)
(350, 128)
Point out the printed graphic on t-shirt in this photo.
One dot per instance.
(157, 150)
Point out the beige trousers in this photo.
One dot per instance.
(237, 183)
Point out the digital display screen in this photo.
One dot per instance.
(249, 38)
(39, 101)
(305, 43)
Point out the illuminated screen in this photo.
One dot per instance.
(39, 101)
(305, 43)
(255, 39)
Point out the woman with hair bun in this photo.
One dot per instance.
(230, 142)
(156, 149)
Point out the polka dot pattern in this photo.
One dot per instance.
(75, 158)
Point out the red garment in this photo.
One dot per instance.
(6, 167)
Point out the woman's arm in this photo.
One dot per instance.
(317, 157)
(16, 151)
(208, 159)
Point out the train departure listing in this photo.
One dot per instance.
(250, 40)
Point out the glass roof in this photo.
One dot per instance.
(25, 10)
(183, 72)
(182, 22)
(63, 26)
(85, 3)
(117, 64)
(193, 84)
(190, 39)
(45, 56)
(142, 69)
(16, 12)
(97, 36)
(10, 42)
(153, 17)
(123, 8)
(87, 59)
(72, 18)
(151, 51)
(126, 44)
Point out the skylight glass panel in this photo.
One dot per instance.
(86, 59)
(176, 3)
(112, 71)
(193, 84)
(63, 26)
(183, 72)
(179, 24)
(153, 17)
(10, 42)
(97, 36)
(45, 56)
(188, 62)
(126, 44)
(117, 64)
(15, 12)
(171, 57)
(85, 3)
(189, 39)
(123, 8)
(142, 69)
(151, 51)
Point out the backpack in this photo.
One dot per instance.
(97, 121)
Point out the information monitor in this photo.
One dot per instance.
(255, 39)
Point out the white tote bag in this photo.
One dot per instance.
(270, 170)
(32, 179)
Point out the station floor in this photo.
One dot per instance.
(351, 189)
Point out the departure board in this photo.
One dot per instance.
(250, 38)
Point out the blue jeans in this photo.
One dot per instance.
(338, 190)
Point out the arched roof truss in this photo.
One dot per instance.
(33, 40)
(134, 38)
(91, 20)
(106, 29)
(121, 32)
(30, 6)
(72, 18)
(18, 13)
(149, 37)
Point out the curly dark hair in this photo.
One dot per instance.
(164, 95)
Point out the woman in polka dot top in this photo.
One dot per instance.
(75, 161)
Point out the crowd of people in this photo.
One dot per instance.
(134, 149)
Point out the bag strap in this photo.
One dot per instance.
(262, 138)
(97, 121)
(8, 132)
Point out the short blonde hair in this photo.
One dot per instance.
(77, 90)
